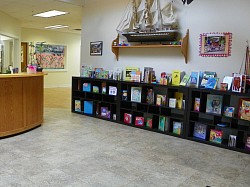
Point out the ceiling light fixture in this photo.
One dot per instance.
(51, 13)
(56, 27)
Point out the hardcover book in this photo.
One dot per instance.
(172, 102)
(215, 136)
(118, 73)
(139, 121)
(128, 71)
(149, 123)
(194, 79)
(177, 127)
(98, 73)
(78, 106)
(211, 83)
(176, 77)
(214, 104)
(127, 118)
(206, 76)
(160, 100)
(86, 87)
(146, 74)
(237, 82)
(105, 113)
(185, 80)
(88, 107)
(197, 104)
(179, 98)
(104, 90)
(247, 144)
(244, 109)
(228, 111)
(162, 121)
(150, 96)
(136, 94)
(112, 90)
(228, 80)
(95, 89)
(200, 131)
(124, 95)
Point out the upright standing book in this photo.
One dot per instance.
(162, 121)
(177, 127)
(176, 77)
(214, 104)
(216, 136)
(179, 98)
(194, 79)
(150, 96)
(136, 94)
(88, 107)
(86, 87)
(200, 130)
(185, 80)
(139, 121)
(205, 77)
(78, 106)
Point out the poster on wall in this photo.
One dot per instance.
(215, 44)
(51, 56)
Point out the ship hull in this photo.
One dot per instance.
(151, 36)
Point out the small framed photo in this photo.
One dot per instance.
(96, 48)
(215, 44)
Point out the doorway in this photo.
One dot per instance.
(24, 56)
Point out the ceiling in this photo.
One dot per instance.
(24, 9)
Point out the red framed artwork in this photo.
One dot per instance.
(215, 44)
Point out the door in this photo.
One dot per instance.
(24, 56)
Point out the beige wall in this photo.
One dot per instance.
(72, 41)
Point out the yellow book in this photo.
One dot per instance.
(128, 71)
(179, 98)
(176, 77)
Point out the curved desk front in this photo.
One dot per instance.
(21, 102)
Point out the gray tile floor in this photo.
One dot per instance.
(75, 150)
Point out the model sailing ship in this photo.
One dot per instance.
(149, 20)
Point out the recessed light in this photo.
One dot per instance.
(50, 13)
(56, 27)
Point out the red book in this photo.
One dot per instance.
(139, 121)
(127, 118)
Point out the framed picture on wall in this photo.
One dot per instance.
(215, 44)
(96, 48)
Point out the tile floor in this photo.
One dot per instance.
(77, 151)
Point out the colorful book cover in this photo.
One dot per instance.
(104, 89)
(139, 121)
(214, 104)
(215, 136)
(88, 107)
(197, 104)
(200, 131)
(237, 82)
(160, 100)
(98, 73)
(149, 123)
(194, 79)
(247, 144)
(146, 74)
(162, 121)
(205, 77)
(118, 73)
(135, 76)
(104, 112)
(211, 83)
(86, 87)
(232, 141)
(128, 71)
(172, 102)
(95, 89)
(150, 96)
(177, 126)
(124, 95)
(244, 109)
(136, 94)
(78, 106)
(185, 80)
(105, 74)
(176, 77)
(127, 118)
(179, 98)
(228, 80)
(112, 90)
(228, 111)
(223, 86)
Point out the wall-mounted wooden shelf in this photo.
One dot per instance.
(183, 47)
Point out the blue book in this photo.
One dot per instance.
(86, 87)
(194, 79)
(211, 83)
(88, 107)
(200, 131)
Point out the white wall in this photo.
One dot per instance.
(100, 19)
(73, 43)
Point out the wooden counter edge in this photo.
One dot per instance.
(16, 75)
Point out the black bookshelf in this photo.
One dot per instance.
(118, 106)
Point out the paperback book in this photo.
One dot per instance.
(228, 80)
(215, 136)
(211, 83)
(139, 121)
(194, 79)
(112, 90)
(127, 118)
(228, 111)
(177, 127)
(172, 103)
(197, 104)
(149, 123)
(244, 109)
(95, 89)
(86, 87)
(162, 121)
(136, 94)
(179, 99)
(78, 106)
(150, 96)
(232, 141)
(128, 71)
(105, 113)
(200, 130)
(176, 77)
(160, 100)
(205, 78)
(185, 80)
(214, 104)
(88, 107)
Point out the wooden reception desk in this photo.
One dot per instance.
(21, 102)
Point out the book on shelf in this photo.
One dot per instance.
(160, 100)
(112, 90)
(118, 73)
(127, 118)
(184, 80)
(105, 113)
(162, 121)
(223, 86)
(197, 103)
(238, 83)
(206, 75)
(232, 140)
(214, 104)
(215, 136)
(177, 77)
(200, 131)
(167, 124)
(149, 123)
(150, 96)
(177, 127)
(78, 106)
(228, 80)
(228, 111)
(179, 99)
(146, 74)
(152, 77)
(124, 95)
(95, 89)
(86, 87)
(135, 76)
(211, 83)
(98, 73)
(85, 70)
(104, 89)
(136, 94)
(139, 121)
(105, 74)
(194, 79)
(128, 71)
(88, 107)
(244, 109)
(172, 102)
(247, 143)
